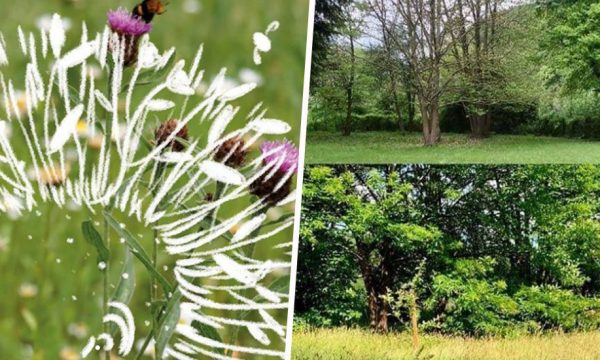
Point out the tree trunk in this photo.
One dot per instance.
(393, 80)
(431, 123)
(480, 125)
(382, 317)
(397, 105)
(411, 106)
(347, 128)
(378, 308)
(373, 308)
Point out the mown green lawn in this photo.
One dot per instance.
(393, 147)
(355, 344)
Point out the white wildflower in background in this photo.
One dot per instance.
(17, 103)
(220, 283)
(94, 72)
(191, 6)
(28, 290)
(44, 23)
(5, 129)
(68, 353)
(229, 83)
(11, 205)
(251, 76)
(77, 330)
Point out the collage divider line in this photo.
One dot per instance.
(300, 180)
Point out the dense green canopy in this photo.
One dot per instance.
(486, 249)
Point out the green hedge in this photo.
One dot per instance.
(360, 122)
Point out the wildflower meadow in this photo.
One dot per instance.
(147, 177)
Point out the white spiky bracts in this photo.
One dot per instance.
(222, 285)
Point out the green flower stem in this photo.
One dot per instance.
(153, 283)
(250, 252)
(106, 236)
(154, 188)
(219, 191)
(145, 345)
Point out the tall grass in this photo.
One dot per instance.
(357, 344)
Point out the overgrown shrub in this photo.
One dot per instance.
(558, 309)
(375, 122)
(346, 309)
(467, 302)
(576, 115)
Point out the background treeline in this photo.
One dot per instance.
(469, 250)
(477, 67)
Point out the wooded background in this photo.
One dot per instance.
(464, 250)
(471, 66)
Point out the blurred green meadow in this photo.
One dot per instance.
(52, 287)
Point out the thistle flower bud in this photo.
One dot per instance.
(233, 152)
(164, 131)
(129, 28)
(52, 176)
(282, 157)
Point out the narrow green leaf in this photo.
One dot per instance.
(126, 287)
(169, 320)
(281, 284)
(94, 238)
(208, 332)
(29, 319)
(139, 252)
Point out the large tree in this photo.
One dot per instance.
(420, 30)
(537, 225)
(474, 40)
(572, 42)
(329, 16)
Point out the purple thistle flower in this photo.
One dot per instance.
(123, 22)
(274, 187)
(279, 149)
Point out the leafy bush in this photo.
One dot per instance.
(576, 115)
(346, 309)
(467, 303)
(557, 309)
(375, 122)
(321, 118)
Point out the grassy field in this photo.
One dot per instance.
(356, 344)
(391, 147)
(51, 301)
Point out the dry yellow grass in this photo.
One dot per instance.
(362, 345)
